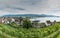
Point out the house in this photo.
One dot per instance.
(53, 23)
(48, 23)
(4, 20)
(19, 21)
(35, 24)
(42, 25)
(7, 20)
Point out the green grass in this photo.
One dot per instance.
(7, 31)
(58, 35)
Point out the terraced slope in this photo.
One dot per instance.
(7, 31)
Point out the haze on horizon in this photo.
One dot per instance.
(50, 7)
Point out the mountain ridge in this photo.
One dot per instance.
(28, 15)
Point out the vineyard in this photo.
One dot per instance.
(7, 31)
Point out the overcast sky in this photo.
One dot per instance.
(51, 7)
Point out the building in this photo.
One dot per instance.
(48, 23)
(42, 25)
(19, 21)
(35, 24)
(6, 20)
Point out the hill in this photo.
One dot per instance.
(28, 15)
(7, 31)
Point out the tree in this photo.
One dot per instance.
(27, 23)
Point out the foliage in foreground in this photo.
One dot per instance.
(7, 31)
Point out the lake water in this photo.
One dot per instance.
(44, 19)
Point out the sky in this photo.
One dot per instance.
(50, 7)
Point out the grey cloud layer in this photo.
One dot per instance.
(40, 6)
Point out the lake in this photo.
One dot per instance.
(44, 19)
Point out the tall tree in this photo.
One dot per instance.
(27, 23)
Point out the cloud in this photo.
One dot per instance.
(30, 6)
